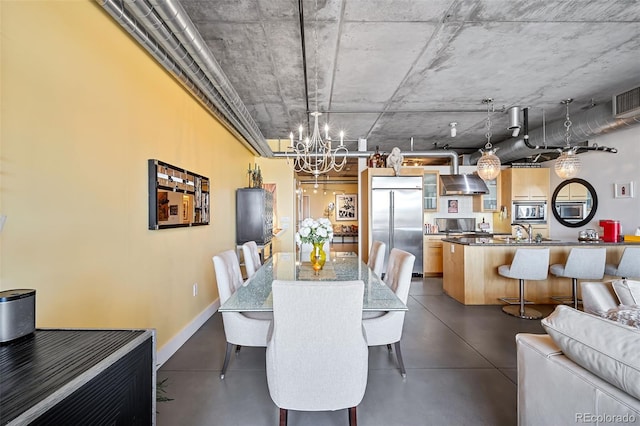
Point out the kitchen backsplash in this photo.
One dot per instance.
(458, 207)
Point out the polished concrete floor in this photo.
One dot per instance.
(460, 360)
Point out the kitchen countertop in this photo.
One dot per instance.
(490, 241)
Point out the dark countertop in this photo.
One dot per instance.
(546, 242)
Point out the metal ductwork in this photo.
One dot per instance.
(453, 184)
(166, 32)
(586, 124)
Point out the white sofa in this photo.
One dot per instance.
(586, 370)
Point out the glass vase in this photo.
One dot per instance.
(318, 257)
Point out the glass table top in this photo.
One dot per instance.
(255, 293)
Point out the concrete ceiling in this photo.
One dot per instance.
(390, 70)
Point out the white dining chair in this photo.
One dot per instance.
(251, 258)
(386, 327)
(317, 355)
(240, 329)
(376, 257)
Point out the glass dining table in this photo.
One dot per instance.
(255, 294)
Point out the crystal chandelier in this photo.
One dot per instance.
(313, 154)
(568, 164)
(489, 164)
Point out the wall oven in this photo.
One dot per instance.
(571, 210)
(529, 212)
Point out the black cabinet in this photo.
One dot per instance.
(254, 215)
(79, 377)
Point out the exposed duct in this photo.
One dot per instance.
(452, 155)
(586, 124)
(168, 34)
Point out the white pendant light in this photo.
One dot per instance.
(489, 164)
(568, 164)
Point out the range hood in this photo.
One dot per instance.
(462, 185)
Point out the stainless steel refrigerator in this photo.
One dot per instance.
(397, 215)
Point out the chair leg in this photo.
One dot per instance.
(283, 417)
(400, 361)
(227, 355)
(353, 418)
(389, 348)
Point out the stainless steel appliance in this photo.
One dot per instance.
(17, 314)
(254, 215)
(529, 212)
(397, 215)
(571, 209)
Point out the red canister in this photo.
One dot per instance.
(610, 230)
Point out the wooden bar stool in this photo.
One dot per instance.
(527, 264)
(582, 263)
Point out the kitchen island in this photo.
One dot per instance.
(470, 268)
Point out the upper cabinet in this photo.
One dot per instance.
(520, 184)
(488, 202)
(573, 192)
(431, 189)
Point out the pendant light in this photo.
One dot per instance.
(489, 164)
(568, 164)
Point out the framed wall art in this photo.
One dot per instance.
(623, 190)
(177, 197)
(346, 207)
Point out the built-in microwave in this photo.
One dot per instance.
(529, 212)
(571, 210)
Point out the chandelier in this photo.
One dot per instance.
(489, 164)
(313, 154)
(568, 164)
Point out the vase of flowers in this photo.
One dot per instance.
(315, 232)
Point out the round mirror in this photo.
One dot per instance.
(574, 203)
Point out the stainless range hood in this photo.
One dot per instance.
(462, 185)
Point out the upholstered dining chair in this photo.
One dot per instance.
(317, 355)
(251, 258)
(240, 329)
(376, 257)
(385, 328)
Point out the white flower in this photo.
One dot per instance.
(314, 231)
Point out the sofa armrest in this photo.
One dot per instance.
(553, 390)
(598, 297)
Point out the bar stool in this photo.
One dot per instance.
(629, 266)
(582, 263)
(527, 264)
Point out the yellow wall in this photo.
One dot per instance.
(83, 108)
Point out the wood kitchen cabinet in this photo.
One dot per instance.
(522, 184)
(488, 202)
(431, 189)
(526, 184)
(432, 255)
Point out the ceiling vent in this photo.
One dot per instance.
(627, 104)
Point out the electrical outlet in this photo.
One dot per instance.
(195, 289)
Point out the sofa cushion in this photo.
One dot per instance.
(627, 315)
(607, 349)
(628, 291)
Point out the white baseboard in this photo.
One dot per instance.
(172, 346)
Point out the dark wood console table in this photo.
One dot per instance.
(79, 377)
(353, 235)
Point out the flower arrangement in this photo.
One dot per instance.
(314, 231)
